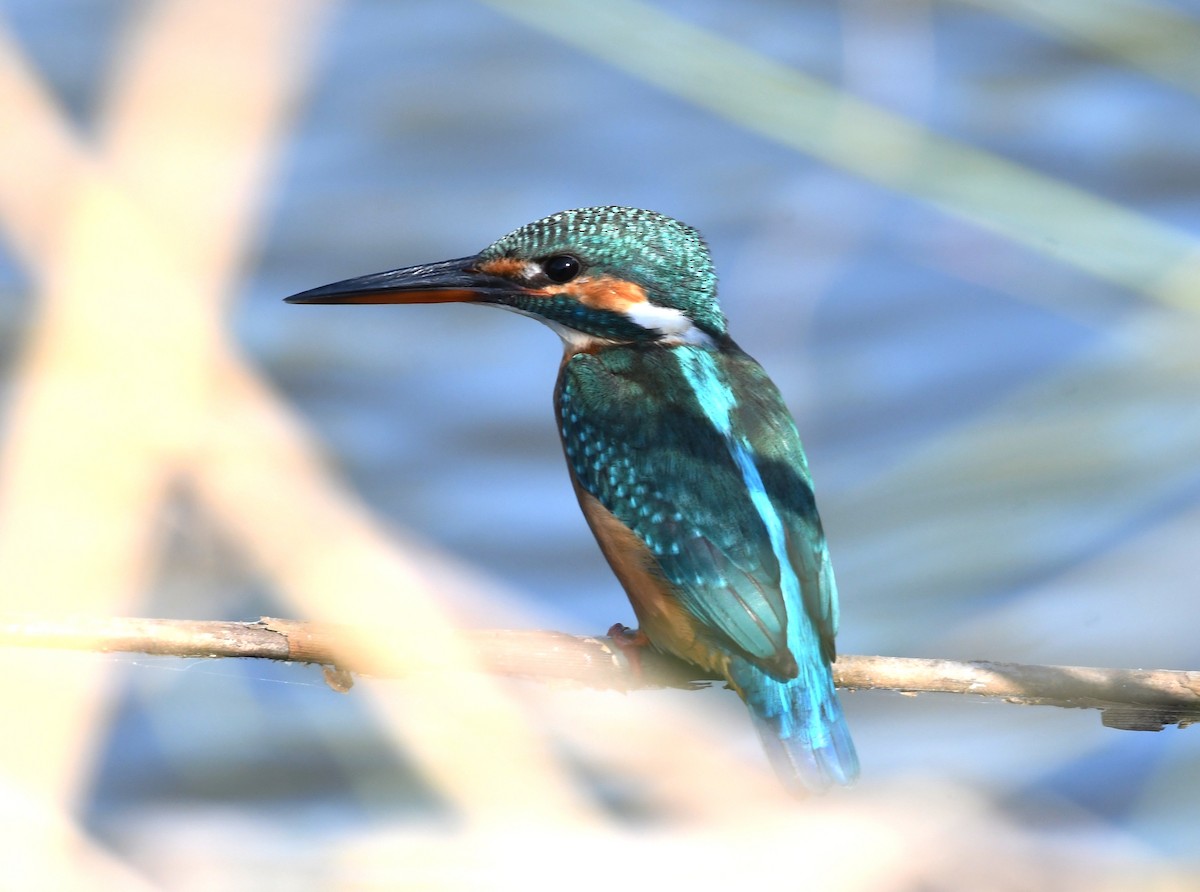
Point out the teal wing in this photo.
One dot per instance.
(727, 514)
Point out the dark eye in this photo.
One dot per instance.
(561, 268)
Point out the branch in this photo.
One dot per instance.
(1132, 699)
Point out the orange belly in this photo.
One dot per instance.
(669, 627)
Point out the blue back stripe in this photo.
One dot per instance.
(717, 402)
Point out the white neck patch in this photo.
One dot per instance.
(674, 325)
(676, 328)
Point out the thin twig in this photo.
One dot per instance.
(1132, 699)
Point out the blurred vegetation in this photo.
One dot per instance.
(134, 419)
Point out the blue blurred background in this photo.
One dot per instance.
(1003, 428)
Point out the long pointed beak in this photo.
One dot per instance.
(451, 281)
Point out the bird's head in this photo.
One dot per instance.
(595, 275)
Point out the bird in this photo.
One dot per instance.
(686, 462)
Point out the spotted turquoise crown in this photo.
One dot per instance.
(667, 258)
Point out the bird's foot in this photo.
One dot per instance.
(630, 642)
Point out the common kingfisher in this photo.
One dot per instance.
(683, 455)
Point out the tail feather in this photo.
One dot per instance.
(801, 726)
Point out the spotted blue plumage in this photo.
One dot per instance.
(714, 482)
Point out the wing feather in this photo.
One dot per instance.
(668, 474)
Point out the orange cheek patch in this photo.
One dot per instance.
(606, 293)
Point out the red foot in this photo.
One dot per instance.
(630, 643)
